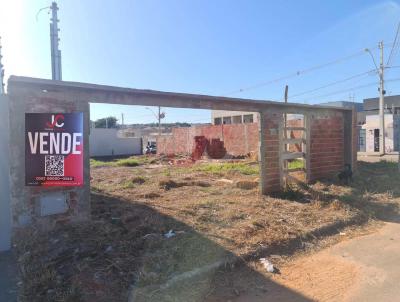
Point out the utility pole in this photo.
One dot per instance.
(285, 135)
(2, 91)
(159, 120)
(55, 51)
(158, 116)
(122, 120)
(286, 93)
(381, 102)
(381, 89)
(285, 116)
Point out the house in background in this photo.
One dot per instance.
(359, 107)
(221, 117)
(370, 129)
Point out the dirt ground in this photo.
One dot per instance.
(219, 225)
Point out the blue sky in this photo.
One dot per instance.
(208, 47)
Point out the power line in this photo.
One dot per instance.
(298, 73)
(350, 89)
(332, 84)
(389, 67)
(395, 45)
(2, 91)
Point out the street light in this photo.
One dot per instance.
(380, 71)
(158, 116)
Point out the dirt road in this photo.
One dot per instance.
(365, 268)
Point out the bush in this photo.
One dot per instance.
(128, 162)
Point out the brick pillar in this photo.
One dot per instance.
(327, 145)
(269, 152)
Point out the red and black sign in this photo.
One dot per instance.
(54, 149)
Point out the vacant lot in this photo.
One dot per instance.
(214, 217)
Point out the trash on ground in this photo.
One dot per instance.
(268, 265)
(170, 234)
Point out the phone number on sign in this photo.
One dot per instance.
(51, 178)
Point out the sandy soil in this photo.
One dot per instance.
(216, 214)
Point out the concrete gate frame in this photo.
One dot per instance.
(30, 95)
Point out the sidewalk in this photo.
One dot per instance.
(8, 277)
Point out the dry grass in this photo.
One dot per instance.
(215, 212)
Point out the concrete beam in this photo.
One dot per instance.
(127, 96)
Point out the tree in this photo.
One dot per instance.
(107, 122)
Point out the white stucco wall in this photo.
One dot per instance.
(106, 142)
(391, 132)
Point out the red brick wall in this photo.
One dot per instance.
(327, 146)
(326, 143)
(326, 150)
(239, 139)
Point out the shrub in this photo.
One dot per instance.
(128, 162)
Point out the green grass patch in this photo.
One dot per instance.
(242, 168)
(132, 161)
(99, 163)
(296, 164)
(127, 162)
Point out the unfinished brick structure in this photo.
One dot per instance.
(239, 139)
(328, 137)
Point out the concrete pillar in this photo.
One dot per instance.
(262, 153)
(25, 201)
(269, 151)
(350, 138)
(5, 210)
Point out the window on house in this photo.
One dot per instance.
(248, 118)
(237, 119)
(217, 121)
(227, 120)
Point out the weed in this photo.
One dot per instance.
(151, 195)
(239, 216)
(128, 162)
(291, 193)
(128, 185)
(132, 161)
(98, 163)
(246, 184)
(168, 184)
(243, 168)
(296, 164)
(138, 180)
(257, 224)
(167, 172)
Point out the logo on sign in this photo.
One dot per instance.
(56, 121)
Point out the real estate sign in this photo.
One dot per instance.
(54, 149)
